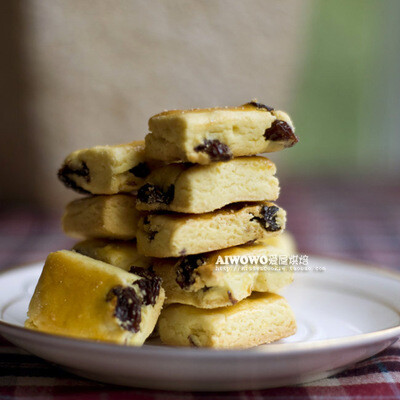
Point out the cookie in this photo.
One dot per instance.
(197, 189)
(207, 280)
(218, 134)
(80, 297)
(175, 235)
(112, 217)
(261, 318)
(122, 254)
(285, 242)
(221, 278)
(106, 169)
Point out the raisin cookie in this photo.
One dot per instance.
(207, 280)
(261, 318)
(218, 134)
(223, 277)
(112, 217)
(81, 297)
(175, 235)
(106, 169)
(197, 189)
(120, 253)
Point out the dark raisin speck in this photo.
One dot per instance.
(128, 307)
(64, 175)
(150, 288)
(185, 269)
(231, 298)
(151, 194)
(216, 150)
(151, 234)
(259, 105)
(141, 170)
(143, 272)
(268, 219)
(281, 131)
(150, 284)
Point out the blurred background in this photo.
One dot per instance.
(77, 73)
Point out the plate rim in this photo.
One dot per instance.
(272, 348)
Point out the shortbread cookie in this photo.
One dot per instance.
(222, 278)
(218, 134)
(112, 217)
(261, 318)
(197, 189)
(122, 254)
(106, 169)
(84, 298)
(172, 235)
(207, 280)
(285, 242)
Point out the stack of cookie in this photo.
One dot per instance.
(214, 200)
(201, 196)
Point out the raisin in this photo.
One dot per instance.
(141, 170)
(127, 308)
(150, 284)
(268, 219)
(152, 234)
(216, 150)
(151, 194)
(231, 298)
(185, 268)
(150, 289)
(143, 272)
(64, 176)
(281, 131)
(259, 105)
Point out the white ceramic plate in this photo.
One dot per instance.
(345, 314)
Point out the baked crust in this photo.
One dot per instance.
(175, 235)
(198, 189)
(218, 134)
(112, 217)
(261, 318)
(81, 297)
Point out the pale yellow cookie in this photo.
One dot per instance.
(175, 235)
(81, 297)
(207, 280)
(120, 253)
(112, 217)
(261, 318)
(218, 134)
(198, 189)
(285, 242)
(223, 277)
(106, 169)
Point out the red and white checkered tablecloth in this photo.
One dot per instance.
(346, 219)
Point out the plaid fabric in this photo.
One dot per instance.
(344, 219)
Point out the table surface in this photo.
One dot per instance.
(336, 218)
